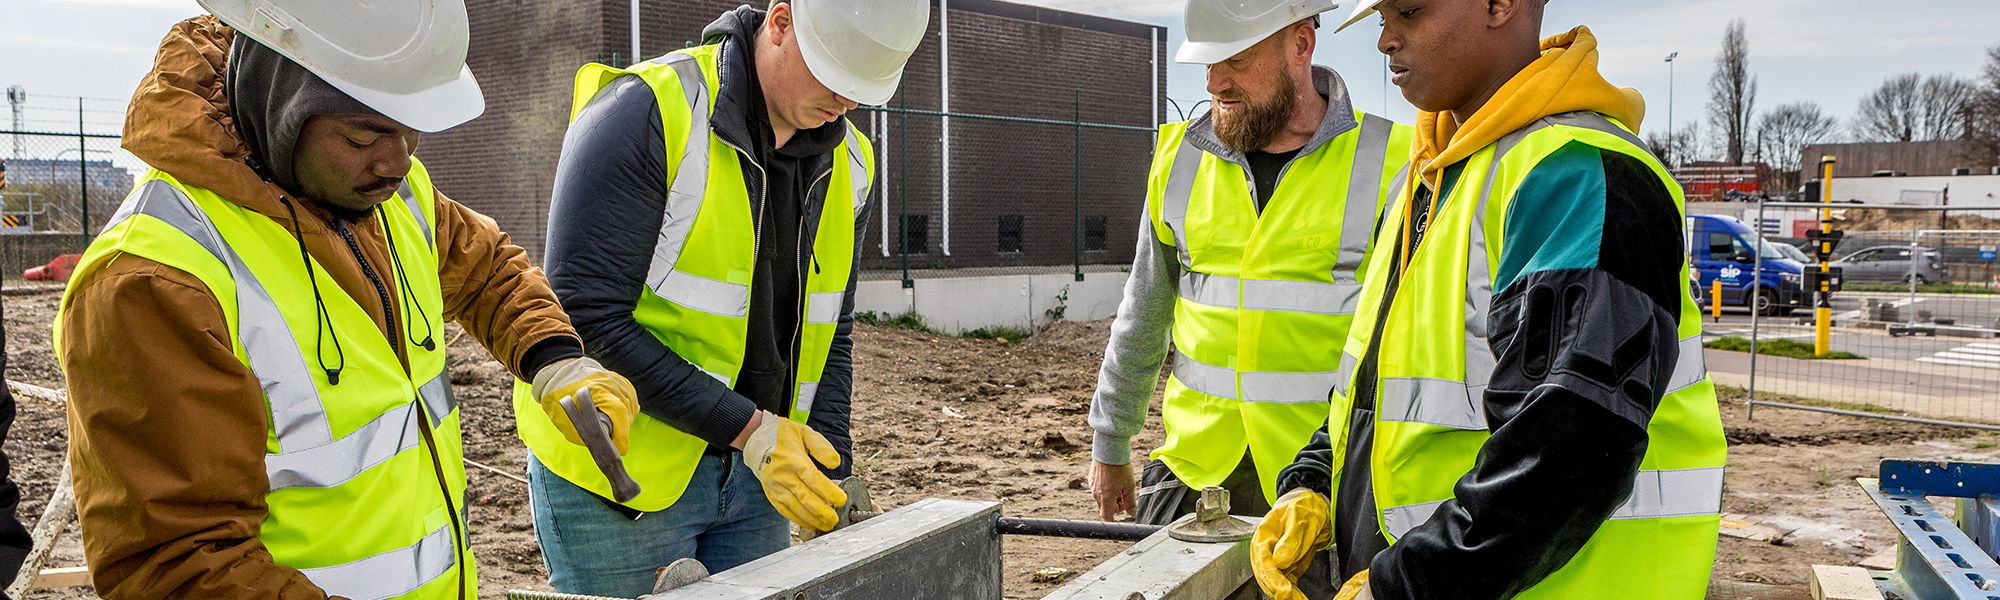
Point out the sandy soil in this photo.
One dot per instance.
(1004, 420)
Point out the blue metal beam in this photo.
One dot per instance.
(1940, 478)
(1934, 558)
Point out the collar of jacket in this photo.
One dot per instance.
(1339, 119)
(739, 117)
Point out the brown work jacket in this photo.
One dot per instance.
(167, 427)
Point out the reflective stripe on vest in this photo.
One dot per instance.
(1279, 388)
(1270, 294)
(1655, 495)
(684, 198)
(391, 573)
(411, 202)
(309, 456)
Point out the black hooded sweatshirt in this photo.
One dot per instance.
(609, 199)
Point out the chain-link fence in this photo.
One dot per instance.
(1912, 333)
(1008, 194)
(64, 176)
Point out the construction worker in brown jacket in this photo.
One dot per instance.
(255, 344)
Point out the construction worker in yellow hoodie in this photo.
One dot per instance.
(1524, 411)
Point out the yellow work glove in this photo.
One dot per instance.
(1356, 588)
(782, 453)
(1298, 526)
(610, 392)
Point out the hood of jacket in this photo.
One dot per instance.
(1564, 79)
(180, 120)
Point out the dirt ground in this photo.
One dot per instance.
(939, 416)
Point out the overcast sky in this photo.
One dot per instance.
(1828, 51)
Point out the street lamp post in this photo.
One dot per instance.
(1671, 140)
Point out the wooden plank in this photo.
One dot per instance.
(1831, 582)
(50, 579)
(38, 393)
(56, 515)
(1743, 590)
(1744, 527)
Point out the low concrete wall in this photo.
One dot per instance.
(1023, 300)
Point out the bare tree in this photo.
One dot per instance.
(1683, 147)
(1787, 129)
(1983, 124)
(1732, 93)
(1914, 108)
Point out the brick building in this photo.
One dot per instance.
(1915, 159)
(1011, 199)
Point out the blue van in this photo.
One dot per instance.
(1722, 249)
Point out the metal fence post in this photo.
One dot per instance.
(83, 174)
(1076, 192)
(1758, 277)
(1915, 257)
(903, 191)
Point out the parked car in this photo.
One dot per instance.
(1722, 249)
(1796, 253)
(1898, 264)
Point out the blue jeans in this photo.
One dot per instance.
(722, 520)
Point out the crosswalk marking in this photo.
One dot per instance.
(1982, 355)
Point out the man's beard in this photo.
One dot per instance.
(1251, 127)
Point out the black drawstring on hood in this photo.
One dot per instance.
(322, 320)
(396, 260)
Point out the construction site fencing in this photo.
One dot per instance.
(65, 175)
(967, 193)
(1914, 330)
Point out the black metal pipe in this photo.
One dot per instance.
(1065, 528)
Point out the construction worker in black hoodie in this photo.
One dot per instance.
(717, 270)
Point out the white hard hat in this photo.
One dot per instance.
(404, 58)
(1219, 29)
(857, 48)
(1361, 11)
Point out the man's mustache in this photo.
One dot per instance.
(384, 185)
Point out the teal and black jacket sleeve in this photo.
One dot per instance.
(1585, 314)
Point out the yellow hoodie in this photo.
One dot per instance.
(1564, 79)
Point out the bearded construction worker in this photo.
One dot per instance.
(1528, 414)
(703, 235)
(255, 346)
(1257, 222)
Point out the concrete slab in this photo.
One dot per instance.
(934, 548)
(1162, 568)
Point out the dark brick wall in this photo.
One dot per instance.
(1007, 59)
(525, 54)
(1916, 159)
